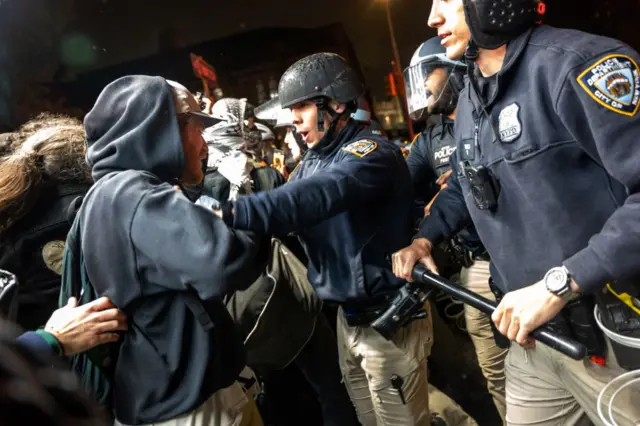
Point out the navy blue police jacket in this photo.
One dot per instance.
(563, 141)
(431, 154)
(349, 201)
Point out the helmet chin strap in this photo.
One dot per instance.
(323, 106)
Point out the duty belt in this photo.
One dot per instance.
(363, 313)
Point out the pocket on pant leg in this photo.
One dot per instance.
(389, 405)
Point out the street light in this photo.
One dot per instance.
(398, 69)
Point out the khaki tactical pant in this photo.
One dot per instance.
(545, 388)
(490, 356)
(368, 361)
(226, 407)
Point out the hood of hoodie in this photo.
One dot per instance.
(133, 126)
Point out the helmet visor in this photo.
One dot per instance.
(419, 97)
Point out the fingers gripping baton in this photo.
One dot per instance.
(560, 343)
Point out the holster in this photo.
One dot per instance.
(461, 255)
(501, 340)
(578, 314)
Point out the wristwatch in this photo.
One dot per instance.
(558, 281)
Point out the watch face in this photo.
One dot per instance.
(556, 279)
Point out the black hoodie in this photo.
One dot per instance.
(146, 246)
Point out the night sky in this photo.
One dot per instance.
(41, 32)
(43, 39)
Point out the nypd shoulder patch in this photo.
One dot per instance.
(614, 82)
(361, 147)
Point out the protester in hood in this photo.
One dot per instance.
(164, 261)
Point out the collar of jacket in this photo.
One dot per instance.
(515, 50)
(445, 126)
(327, 146)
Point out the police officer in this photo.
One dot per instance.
(433, 83)
(549, 173)
(350, 202)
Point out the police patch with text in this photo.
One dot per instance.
(614, 82)
(442, 155)
(361, 147)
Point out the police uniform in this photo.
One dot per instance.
(560, 142)
(349, 200)
(430, 159)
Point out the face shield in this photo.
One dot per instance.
(419, 97)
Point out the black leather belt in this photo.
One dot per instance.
(363, 313)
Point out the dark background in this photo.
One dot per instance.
(46, 44)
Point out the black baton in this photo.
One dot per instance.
(567, 346)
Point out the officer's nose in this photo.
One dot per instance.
(435, 17)
(296, 116)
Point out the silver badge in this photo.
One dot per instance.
(510, 126)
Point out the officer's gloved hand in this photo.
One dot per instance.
(405, 260)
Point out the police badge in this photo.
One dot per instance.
(510, 127)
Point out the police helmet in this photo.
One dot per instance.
(428, 57)
(268, 111)
(265, 132)
(284, 119)
(232, 109)
(318, 76)
(494, 22)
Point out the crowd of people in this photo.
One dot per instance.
(169, 258)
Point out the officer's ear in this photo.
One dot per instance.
(339, 108)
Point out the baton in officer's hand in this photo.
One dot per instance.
(567, 346)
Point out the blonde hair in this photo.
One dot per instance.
(47, 154)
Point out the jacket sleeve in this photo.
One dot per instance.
(39, 342)
(423, 175)
(350, 181)
(448, 214)
(183, 246)
(610, 133)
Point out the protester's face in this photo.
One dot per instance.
(447, 16)
(290, 140)
(195, 150)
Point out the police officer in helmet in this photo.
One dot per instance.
(349, 200)
(433, 83)
(549, 172)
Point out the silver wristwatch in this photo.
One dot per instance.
(558, 281)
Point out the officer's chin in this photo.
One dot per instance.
(456, 51)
